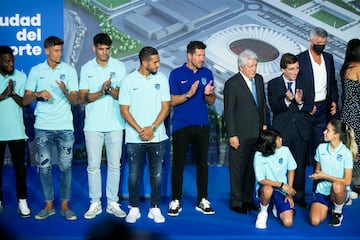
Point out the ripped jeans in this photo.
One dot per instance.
(63, 140)
(136, 153)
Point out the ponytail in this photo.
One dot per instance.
(351, 143)
(347, 136)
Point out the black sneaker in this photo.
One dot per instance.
(336, 219)
(204, 207)
(174, 208)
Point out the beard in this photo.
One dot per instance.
(7, 71)
(151, 71)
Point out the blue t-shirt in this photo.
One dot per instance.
(332, 163)
(193, 111)
(54, 114)
(103, 114)
(144, 96)
(11, 118)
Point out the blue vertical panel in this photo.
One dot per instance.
(25, 24)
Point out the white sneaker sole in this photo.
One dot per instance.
(93, 215)
(175, 214)
(121, 215)
(153, 218)
(24, 215)
(133, 220)
(206, 213)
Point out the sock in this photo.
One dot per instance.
(338, 207)
(263, 208)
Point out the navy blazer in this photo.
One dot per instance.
(286, 118)
(243, 118)
(306, 76)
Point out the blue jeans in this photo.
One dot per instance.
(94, 145)
(136, 157)
(63, 140)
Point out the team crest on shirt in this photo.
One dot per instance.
(157, 86)
(203, 81)
(62, 77)
(339, 157)
(112, 74)
(281, 160)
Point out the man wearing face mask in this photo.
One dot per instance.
(318, 72)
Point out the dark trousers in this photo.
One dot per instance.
(319, 121)
(17, 150)
(242, 176)
(198, 137)
(298, 147)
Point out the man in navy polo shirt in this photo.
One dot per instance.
(191, 89)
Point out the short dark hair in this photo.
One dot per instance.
(5, 50)
(53, 41)
(102, 39)
(193, 45)
(288, 58)
(146, 52)
(267, 142)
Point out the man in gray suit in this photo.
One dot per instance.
(245, 117)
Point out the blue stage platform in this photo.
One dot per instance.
(190, 224)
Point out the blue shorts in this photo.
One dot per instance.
(278, 200)
(325, 199)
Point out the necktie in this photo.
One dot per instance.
(289, 84)
(253, 90)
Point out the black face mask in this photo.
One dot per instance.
(318, 49)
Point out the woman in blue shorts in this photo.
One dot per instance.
(274, 168)
(334, 171)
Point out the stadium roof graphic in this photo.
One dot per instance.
(269, 44)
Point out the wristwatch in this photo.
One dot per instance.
(108, 91)
(187, 96)
(153, 128)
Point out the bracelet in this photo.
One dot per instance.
(282, 184)
(187, 96)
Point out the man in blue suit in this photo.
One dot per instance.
(318, 72)
(291, 104)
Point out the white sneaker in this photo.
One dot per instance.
(133, 215)
(261, 220)
(23, 208)
(155, 213)
(174, 208)
(94, 209)
(204, 207)
(353, 195)
(114, 208)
